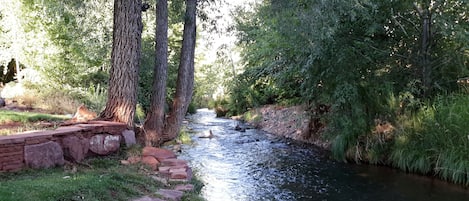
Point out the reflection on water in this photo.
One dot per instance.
(255, 165)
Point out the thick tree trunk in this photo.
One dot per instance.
(154, 124)
(185, 79)
(125, 62)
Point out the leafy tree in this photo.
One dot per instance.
(357, 56)
(67, 40)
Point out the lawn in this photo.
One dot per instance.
(12, 122)
(101, 179)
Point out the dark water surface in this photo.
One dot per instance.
(254, 165)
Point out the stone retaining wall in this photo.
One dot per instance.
(43, 149)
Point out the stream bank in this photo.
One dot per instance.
(295, 122)
(301, 124)
(256, 165)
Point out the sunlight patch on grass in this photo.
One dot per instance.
(14, 116)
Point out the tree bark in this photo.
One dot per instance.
(125, 62)
(425, 14)
(154, 123)
(425, 51)
(185, 78)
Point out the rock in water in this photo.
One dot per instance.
(207, 135)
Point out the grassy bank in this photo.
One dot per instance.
(431, 140)
(101, 179)
(435, 140)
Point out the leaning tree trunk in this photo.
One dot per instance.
(154, 124)
(185, 78)
(125, 62)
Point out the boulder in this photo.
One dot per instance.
(158, 153)
(43, 155)
(150, 161)
(74, 148)
(104, 144)
(129, 137)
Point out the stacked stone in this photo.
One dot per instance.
(164, 162)
(49, 148)
(168, 168)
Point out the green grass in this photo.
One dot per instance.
(435, 140)
(24, 117)
(105, 179)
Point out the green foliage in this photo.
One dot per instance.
(192, 108)
(77, 36)
(364, 58)
(434, 139)
(220, 106)
(184, 136)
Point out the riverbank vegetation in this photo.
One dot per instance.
(390, 71)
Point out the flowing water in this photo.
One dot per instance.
(255, 165)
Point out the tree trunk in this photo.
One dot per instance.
(425, 14)
(125, 62)
(185, 78)
(154, 124)
(425, 52)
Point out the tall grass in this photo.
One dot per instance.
(435, 140)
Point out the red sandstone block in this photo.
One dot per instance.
(158, 153)
(172, 170)
(11, 139)
(12, 167)
(179, 175)
(11, 145)
(37, 140)
(163, 169)
(12, 159)
(174, 162)
(9, 154)
(10, 148)
(68, 130)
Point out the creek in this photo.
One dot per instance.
(254, 165)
